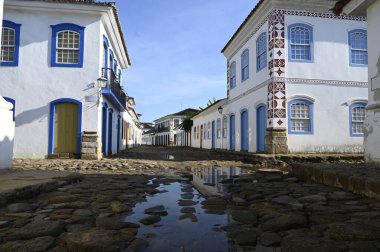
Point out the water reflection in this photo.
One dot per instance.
(208, 179)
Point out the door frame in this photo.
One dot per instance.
(52, 123)
(261, 105)
(242, 137)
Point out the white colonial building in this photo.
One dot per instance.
(297, 82)
(168, 130)
(61, 67)
(370, 9)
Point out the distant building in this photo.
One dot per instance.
(148, 133)
(61, 66)
(370, 9)
(167, 128)
(296, 82)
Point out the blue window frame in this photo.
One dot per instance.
(261, 51)
(357, 117)
(67, 46)
(357, 41)
(245, 65)
(106, 45)
(300, 117)
(300, 43)
(233, 75)
(10, 44)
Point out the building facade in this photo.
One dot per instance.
(296, 82)
(370, 9)
(61, 67)
(168, 130)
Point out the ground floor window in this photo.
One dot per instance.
(218, 128)
(357, 116)
(301, 117)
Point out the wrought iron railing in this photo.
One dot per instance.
(113, 83)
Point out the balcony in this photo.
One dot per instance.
(113, 90)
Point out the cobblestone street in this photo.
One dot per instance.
(266, 210)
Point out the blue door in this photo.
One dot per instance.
(261, 127)
(118, 133)
(110, 133)
(232, 132)
(213, 135)
(104, 130)
(244, 131)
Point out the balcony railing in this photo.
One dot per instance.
(113, 84)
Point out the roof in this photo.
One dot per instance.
(210, 106)
(243, 24)
(94, 2)
(186, 112)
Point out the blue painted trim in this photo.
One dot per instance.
(233, 66)
(16, 28)
(258, 67)
(113, 99)
(242, 136)
(105, 40)
(110, 117)
(51, 123)
(311, 43)
(244, 53)
(311, 108)
(353, 105)
(118, 133)
(350, 48)
(104, 127)
(66, 27)
(14, 105)
(232, 134)
(258, 136)
(106, 45)
(112, 58)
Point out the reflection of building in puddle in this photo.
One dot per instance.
(207, 180)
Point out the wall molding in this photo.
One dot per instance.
(338, 83)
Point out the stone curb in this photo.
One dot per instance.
(34, 190)
(351, 182)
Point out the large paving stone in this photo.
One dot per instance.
(36, 229)
(359, 231)
(285, 222)
(149, 220)
(22, 207)
(303, 243)
(156, 210)
(110, 221)
(94, 240)
(38, 244)
(137, 245)
(270, 239)
(244, 216)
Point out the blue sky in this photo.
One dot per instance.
(175, 47)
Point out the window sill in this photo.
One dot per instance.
(80, 65)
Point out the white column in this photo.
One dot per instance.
(7, 128)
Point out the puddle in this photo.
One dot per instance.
(187, 225)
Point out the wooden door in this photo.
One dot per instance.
(232, 132)
(201, 143)
(66, 128)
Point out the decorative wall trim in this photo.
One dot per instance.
(327, 82)
(249, 91)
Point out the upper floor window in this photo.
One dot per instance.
(358, 47)
(67, 45)
(261, 51)
(301, 117)
(176, 122)
(357, 116)
(245, 65)
(218, 128)
(10, 43)
(300, 43)
(233, 75)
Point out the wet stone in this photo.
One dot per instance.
(152, 219)
(188, 210)
(187, 196)
(118, 207)
(156, 210)
(187, 202)
(37, 229)
(137, 245)
(110, 221)
(4, 224)
(38, 244)
(246, 238)
(21, 207)
(270, 239)
(244, 216)
(188, 216)
(285, 222)
(353, 232)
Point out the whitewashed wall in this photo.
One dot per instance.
(7, 128)
(372, 124)
(1, 15)
(331, 50)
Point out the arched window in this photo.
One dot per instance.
(357, 116)
(301, 117)
(219, 128)
(224, 127)
(300, 43)
(67, 45)
(357, 40)
(233, 75)
(245, 65)
(204, 131)
(10, 43)
(261, 51)
(176, 123)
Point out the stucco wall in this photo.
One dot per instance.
(7, 127)
(34, 83)
(331, 50)
(372, 125)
